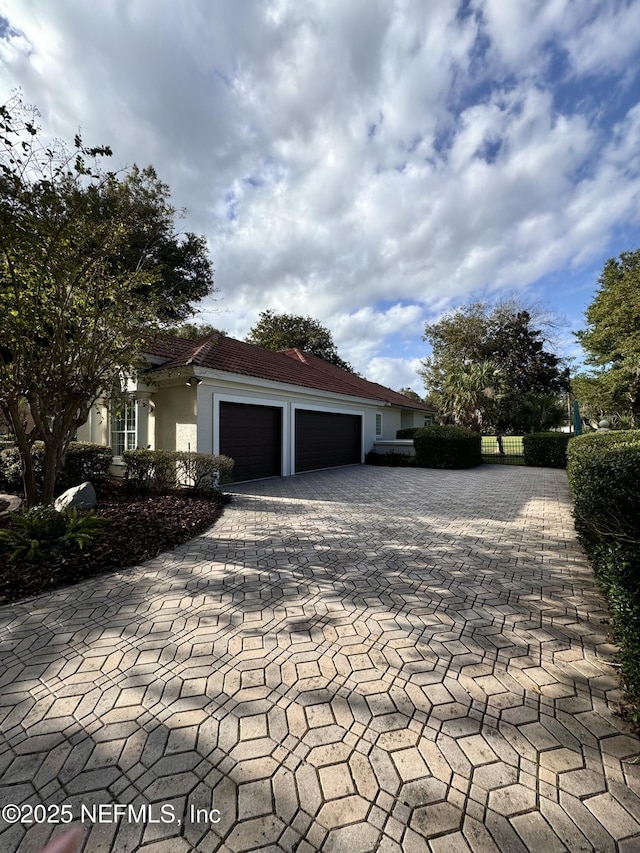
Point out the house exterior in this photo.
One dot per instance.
(274, 413)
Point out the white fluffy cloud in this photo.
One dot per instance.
(367, 163)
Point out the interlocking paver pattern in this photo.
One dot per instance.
(351, 660)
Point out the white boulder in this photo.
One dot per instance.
(82, 496)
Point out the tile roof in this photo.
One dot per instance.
(291, 366)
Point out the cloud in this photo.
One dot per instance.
(369, 163)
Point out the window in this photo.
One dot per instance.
(428, 420)
(378, 424)
(123, 428)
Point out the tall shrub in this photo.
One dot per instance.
(604, 473)
(546, 449)
(447, 447)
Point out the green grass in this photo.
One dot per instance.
(512, 445)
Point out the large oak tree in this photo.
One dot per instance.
(288, 331)
(490, 369)
(90, 266)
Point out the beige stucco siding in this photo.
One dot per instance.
(175, 418)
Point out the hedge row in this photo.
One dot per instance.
(390, 459)
(162, 470)
(407, 432)
(604, 473)
(546, 449)
(83, 461)
(447, 447)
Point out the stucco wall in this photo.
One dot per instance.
(175, 418)
(182, 417)
(212, 393)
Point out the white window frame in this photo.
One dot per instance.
(379, 432)
(123, 429)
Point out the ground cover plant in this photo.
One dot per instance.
(139, 528)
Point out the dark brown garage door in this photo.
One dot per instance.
(252, 435)
(324, 439)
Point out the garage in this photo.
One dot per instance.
(252, 436)
(326, 439)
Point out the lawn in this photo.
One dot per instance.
(512, 444)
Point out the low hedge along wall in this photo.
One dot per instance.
(407, 432)
(604, 473)
(546, 449)
(163, 470)
(447, 447)
(83, 461)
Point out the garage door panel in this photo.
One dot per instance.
(252, 436)
(327, 439)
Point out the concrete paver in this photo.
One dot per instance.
(356, 659)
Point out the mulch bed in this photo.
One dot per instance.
(141, 527)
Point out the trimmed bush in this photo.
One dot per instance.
(10, 468)
(546, 449)
(83, 461)
(604, 472)
(407, 432)
(447, 447)
(161, 471)
(204, 472)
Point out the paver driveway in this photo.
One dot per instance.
(353, 660)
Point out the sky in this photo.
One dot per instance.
(372, 164)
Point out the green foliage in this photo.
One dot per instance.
(541, 412)
(447, 447)
(42, 531)
(471, 394)
(604, 472)
(89, 266)
(406, 432)
(83, 461)
(612, 340)
(602, 396)
(193, 331)
(411, 394)
(11, 467)
(149, 471)
(204, 472)
(287, 331)
(163, 470)
(546, 449)
(485, 363)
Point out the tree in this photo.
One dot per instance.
(504, 338)
(286, 331)
(411, 394)
(470, 395)
(85, 278)
(612, 342)
(193, 331)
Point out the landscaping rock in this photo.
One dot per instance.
(82, 496)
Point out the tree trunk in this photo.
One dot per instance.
(24, 440)
(50, 472)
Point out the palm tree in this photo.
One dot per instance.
(469, 395)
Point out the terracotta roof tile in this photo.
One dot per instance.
(292, 366)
